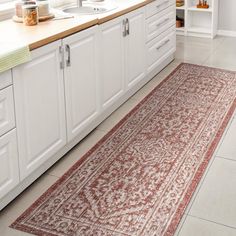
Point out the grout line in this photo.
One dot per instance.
(214, 222)
(226, 158)
(58, 177)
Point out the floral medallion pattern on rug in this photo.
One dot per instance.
(139, 178)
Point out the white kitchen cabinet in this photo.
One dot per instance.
(122, 53)
(40, 108)
(112, 61)
(135, 63)
(81, 80)
(9, 171)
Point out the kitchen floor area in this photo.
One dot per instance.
(212, 210)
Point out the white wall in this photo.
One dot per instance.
(227, 15)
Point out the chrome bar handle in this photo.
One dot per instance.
(127, 26)
(61, 52)
(161, 23)
(163, 44)
(162, 3)
(124, 28)
(68, 62)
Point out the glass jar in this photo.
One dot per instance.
(30, 14)
(43, 7)
(19, 4)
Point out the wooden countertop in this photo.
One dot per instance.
(49, 31)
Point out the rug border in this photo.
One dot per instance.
(190, 191)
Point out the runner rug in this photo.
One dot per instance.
(140, 177)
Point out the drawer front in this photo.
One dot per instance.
(5, 79)
(160, 22)
(7, 115)
(9, 171)
(159, 47)
(158, 6)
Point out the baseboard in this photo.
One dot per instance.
(228, 33)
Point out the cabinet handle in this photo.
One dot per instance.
(68, 63)
(124, 28)
(61, 52)
(167, 41)
(127, 26)
(162, 4)
(161, 23)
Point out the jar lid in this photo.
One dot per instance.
(30, 6)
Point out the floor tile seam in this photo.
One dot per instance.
(225, 158)
(211, 221)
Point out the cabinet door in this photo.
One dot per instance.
(135, 47)
(81, 85)
(40, 108)
(9, 170)
(112, 61)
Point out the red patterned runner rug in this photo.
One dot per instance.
(140, 177)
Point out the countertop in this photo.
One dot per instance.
(49, 31)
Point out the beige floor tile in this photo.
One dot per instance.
(192, 54)
(216, 198)
(198, 227)
(227, 148)
(201, 42)
(229, 44)
(223, 60)
(21, 203)
(117, 115)
(76, 153)
(196, 50)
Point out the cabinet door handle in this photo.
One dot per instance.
(68, 62)
(161, 23)
(162, 4)
(124, 28)
(127, 26)
(61, 52)
(163, 44)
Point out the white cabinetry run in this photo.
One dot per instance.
(72, 85)
(81, 81)
(122, 55)
(40, 108)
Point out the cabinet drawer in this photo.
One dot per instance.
(5, 79)
(158, 47)
(9, 171)
(157, 6)
(160, 22)
(7, 116)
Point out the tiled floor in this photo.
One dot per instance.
(212, 210)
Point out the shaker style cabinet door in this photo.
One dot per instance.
(40, 109)
(135, 60)
(112, 61)
(9, 170)
(81, 81)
